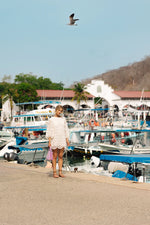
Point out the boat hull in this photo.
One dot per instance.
(123, 149)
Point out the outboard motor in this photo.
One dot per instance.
(135, 171)
(95, 161)
(6, 156)
(10, 156)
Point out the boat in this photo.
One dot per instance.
(124, 149)
(134, 160)
(138, 146)
(89, 141)
(141, 116)
(29, 143)
(25, 150)
(34, 118)
(5, 137)
(26, 136)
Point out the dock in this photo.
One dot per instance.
(29, 195)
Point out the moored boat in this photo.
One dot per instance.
(25, 151)
(89, 141)
(138, 146)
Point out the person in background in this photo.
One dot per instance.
(58, 135)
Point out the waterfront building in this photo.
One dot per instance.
(112, 99)
(119, 100)
(65, 97)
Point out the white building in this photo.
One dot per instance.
(118, 99)
(65, 97)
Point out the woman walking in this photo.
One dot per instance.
(58, 134)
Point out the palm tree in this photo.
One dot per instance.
(80, 93)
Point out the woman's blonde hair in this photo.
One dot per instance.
(58, 107)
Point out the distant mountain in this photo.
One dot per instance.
(133, 77)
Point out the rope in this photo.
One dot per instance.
(66, 161)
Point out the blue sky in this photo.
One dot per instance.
(35, 37)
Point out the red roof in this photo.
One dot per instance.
(58, 93)
(133, 94)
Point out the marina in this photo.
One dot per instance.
(86, 141)
(92, 132)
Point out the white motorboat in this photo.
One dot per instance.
(33, 148)
(25, 150)
(139, 146)
(124, 149)
(89, 141)
(5, 137)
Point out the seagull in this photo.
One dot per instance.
(72, 20)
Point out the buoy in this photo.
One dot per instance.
(113, 140)
(122, 141)
(95, 161)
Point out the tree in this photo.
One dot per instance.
(26, 93)
(57, 86)
(38, 83)
(26, 78)
(43, 83)
(80, 93)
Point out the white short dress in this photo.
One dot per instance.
(57, 130)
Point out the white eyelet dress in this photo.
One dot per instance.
(57, 130)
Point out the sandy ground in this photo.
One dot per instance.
(31, 196)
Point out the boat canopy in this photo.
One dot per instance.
(87, 109)
(35, 114)
(142, 158)
(39, 102)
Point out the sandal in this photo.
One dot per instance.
(60, 174)
(55, 175)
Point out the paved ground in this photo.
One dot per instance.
(31, 196)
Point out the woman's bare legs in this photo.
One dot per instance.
(60, 161)
(54, 163)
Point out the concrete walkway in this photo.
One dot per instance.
(31, 196)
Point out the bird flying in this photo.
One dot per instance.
(72, 20)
